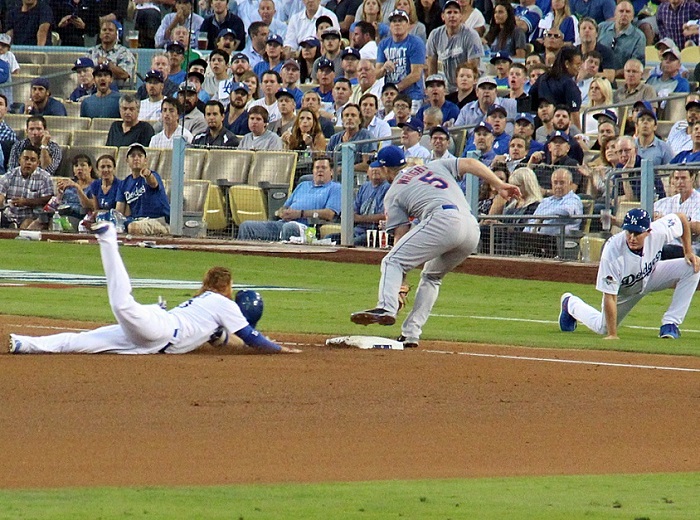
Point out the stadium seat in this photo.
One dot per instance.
(35, 57)
(247, 203)
(62, 137)
(89, 138)
(67, 123)
(231, 165)
(30, 69)
(66, 168)
(273, 168)
(73, 109)
(194, 162)
(18, 122)
(102, 123)
(460, 139)
(651, 54)
(64, 57)
(663, 128)
(690, 55)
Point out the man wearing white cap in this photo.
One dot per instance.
(670, 80)
(474, 112)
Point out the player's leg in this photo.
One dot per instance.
(674, 273)
(109, 339)
(146, 325)
(595, 319)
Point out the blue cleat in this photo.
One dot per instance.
(669, 331)
(567, 323)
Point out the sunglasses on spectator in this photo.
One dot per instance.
(556, 36)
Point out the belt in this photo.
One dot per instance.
(170, 343)
(449, 206)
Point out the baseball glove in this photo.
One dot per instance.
(403, 295)
(219, 338)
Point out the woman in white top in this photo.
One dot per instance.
(560, 17)
(599, 94)
(472, 18)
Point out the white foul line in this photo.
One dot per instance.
(547, 322)
(570, 361)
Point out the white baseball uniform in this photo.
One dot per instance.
(631, 276)
(142, 329)
(445, 235)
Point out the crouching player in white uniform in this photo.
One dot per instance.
(445, 235)
(630, 268)
(149, 329)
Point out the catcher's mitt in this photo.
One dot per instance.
(403, 295)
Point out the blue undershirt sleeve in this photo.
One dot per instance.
(253, 338)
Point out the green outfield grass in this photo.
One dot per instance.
(630, 497)
(333, 291)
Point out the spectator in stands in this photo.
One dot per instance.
(236, 117)
(389, 93)
(594, 173)
(312, 101)
(286, 106)
(369, 106)
(524, 126)
(562, 122)
(558, 147)
(273, 58)
(649, 146)
(517, 78)
(411, 133)
(182, 15)
(215, 84)
(670, 80)
(598, 10)
(84, 68)
(28, 186)
(496, 117)
(415, 27)
(402, 110)
(342, 90)
(104, 102)
(259, 137)
(679, 136)
(103, 191)
(364, 39)
(194, 119)
(467, 75)
(369, 205)
(257, 37)
(271, 83)
(326, 81)
(310, 52)
(545, 114)
(622, 37)
(240, 64)
(74, 192)
(142, 197)
(8, 57)
(29, 23)
(692, 155)
(633, 89)
(401, 59)
(439, 144)
(600, 94)
(475, 112)
(353, 131)
(222, 18)
(686, 201)
(501, 62)
(349, 62)
(306, 134)
(628, 158)
(436, 90)
(176, 58)
(562, 202)
(483, 143)
(607, 128)
(559, 84)
(367, 81)
(146, 22)
(253, 82)
(228, 41)
(586, 74)
(171, 111)
(330, 50)
(552, 43)
(161, 63)
(504, 34)
(151, 106)
(8, 136)
(560, 18)
(38, 136)
(217, 136)
(267, 12)
(121, 61)
(452, 45)
(290, 80)
(310, 200)
(303, 24)
(588, 32)
(672, 15)
(528, 16)
(377, 13)
(516, 155)
(129, 130)
(41, 103)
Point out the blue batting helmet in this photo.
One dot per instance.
(251, 305)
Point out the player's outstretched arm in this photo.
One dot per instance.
(474, 167)
(253, 338)
(610, 312)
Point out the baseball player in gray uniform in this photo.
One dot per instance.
(445, 234)
(150, 329)
(630, 268)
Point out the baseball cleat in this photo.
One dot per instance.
(567, 323)
(101, 227)
(379, 316)
(669, 331)
(15, 345)
(407, 343)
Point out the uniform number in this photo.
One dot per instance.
(429, 178)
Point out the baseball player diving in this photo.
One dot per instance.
(149, 329)
(630, 268)
(445, 234)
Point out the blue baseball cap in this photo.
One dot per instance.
(637, 220)
(310, 41)
(483, 125)
(274, 38)
(240, 56)
(413, 123)
(325, 63)
(284, 92)
(497, 108)
(398, 13)
(240, 86)
(390, 156)
(451, 3)
(608, 114)
(175, 47)
(227, 32)
(558, 134)
(83, 63)
(501, 55)
(525, 116)
(350, 52)
(154, 74)
(41, 82)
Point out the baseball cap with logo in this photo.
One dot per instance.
(414, 124)
(325, 63)
(665, 42)
(672, 51)
(227, 32)
(83, 63)
(135, 146)
(525, 116)
(390, 156)
(175, 47)
(240, 56)
(637, 220)
(284, 92)
(487, 80)
(606, 114)
(497, 108)
(331, 32)
(436, 78)
(187, 87)
(501, 55)
(350, 52)
(195, 74)
(310, 41)
(483, 125)
(695, 103)
(558, 134)
(398, 13)
(154, 74)
(291, 63)
(240, 86)
(439, 130)
(102, 68)
(275, 38)
(451, 3)
(5, 39)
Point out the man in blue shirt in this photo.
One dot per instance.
(623, 37)
(310, 202)
(104, 102)
(142, 196)
(353, 131)
(670, 79)
(401, 59)
(369, 205)
(693, 155)
(436, 90)
(42, 103)
(599, 10)
(474, 112)
(649, 146)
(29, 23)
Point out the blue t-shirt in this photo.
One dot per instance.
(26, 25)
(178, 77)
(686, 156)
(325, 98)
(449, 111)
(560, 91)
(407, 52)
(264, 66)
(369, 201)
(53, 108)
(500, 143)
(107, 200)
(309, 196)
(106, 106)
(143, 200)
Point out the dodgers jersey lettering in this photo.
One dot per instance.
(419, 190)
(623, 272)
